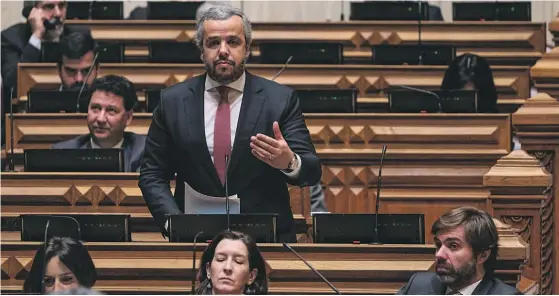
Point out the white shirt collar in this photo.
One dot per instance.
(94, 145)
(238, 85)
(468, 290)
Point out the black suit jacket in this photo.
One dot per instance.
(176, 143)
(428, 283)
(133, 146)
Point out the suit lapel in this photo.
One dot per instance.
(437, 286)
(484, 286)
(253, 99)
(127, 147)
(194, 111)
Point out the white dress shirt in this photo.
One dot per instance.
(211, 102)
(468, 290)
(94, 145)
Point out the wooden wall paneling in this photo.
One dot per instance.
(371, 81)
(537, 127)
(510, 43)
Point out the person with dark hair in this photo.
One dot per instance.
(76, 56)
(110, 111)
(227, 122)
(472, 72)
(65, 264)
(22, 42)
(232, 265)
(467, 245)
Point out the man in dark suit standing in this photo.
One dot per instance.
(109, 112)
(228, 111)
(467, 244)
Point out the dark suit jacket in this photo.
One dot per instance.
(428, 283)
(176, 143)
(435, 13)
(133, 146)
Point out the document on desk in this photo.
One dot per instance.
(198, 203)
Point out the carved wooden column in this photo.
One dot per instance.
(537, 127)
(518, 184)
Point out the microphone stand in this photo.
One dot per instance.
(11, 166)
(312, 268)
(85, 81)
(227, 192)
(194, 262)
(44, 269)
(377, 204)
(419, 42)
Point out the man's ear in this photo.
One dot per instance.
(252, 276)
(483, 256)
(129, 115)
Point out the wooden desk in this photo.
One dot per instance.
(505, 43)
(554, 29)
(513, 82)
(165, 268)
(544, 72)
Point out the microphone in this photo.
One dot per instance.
(379, 185)
(419, 42)
(45, 257)
(85, 81)
(425, 92)
(342, 6)
(194, 261)
(282, 68)
(227, 192)
(11, 166)
(312, 268)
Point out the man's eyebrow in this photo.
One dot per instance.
(452, 239)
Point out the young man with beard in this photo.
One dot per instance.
(227, 112)
(77, 54)
(109, 113)
(467, 244)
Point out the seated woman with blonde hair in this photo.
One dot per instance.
(232, 265)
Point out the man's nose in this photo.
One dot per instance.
(441, 254)
(224, 49)
(79, 77)
(56, 11)
(102, 117)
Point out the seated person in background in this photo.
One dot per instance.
(467, 244)
(77, 53)
(435, 13)
(109, 112)
(232, 265)
(141, 13)
(68, 266)
(21, 43)
(318, 201)
(472, 72)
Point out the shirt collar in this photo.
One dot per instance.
(94, 145)
(238, 84)
(468, 290)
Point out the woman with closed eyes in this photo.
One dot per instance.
(68, 266)
(232, 265)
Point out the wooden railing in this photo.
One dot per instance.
(372, 82)
(505, 43)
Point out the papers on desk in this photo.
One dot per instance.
(198, 203)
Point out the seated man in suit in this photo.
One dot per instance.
(21, 43)
(77, 56)
(467, 245)
(109, 112)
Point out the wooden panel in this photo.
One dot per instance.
(357, 136)
(554, 29)
(511, 43)
(164, 268)
(372, 82)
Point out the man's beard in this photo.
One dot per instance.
(454, 277)
(225, 78)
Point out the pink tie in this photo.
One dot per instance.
(222, 132)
